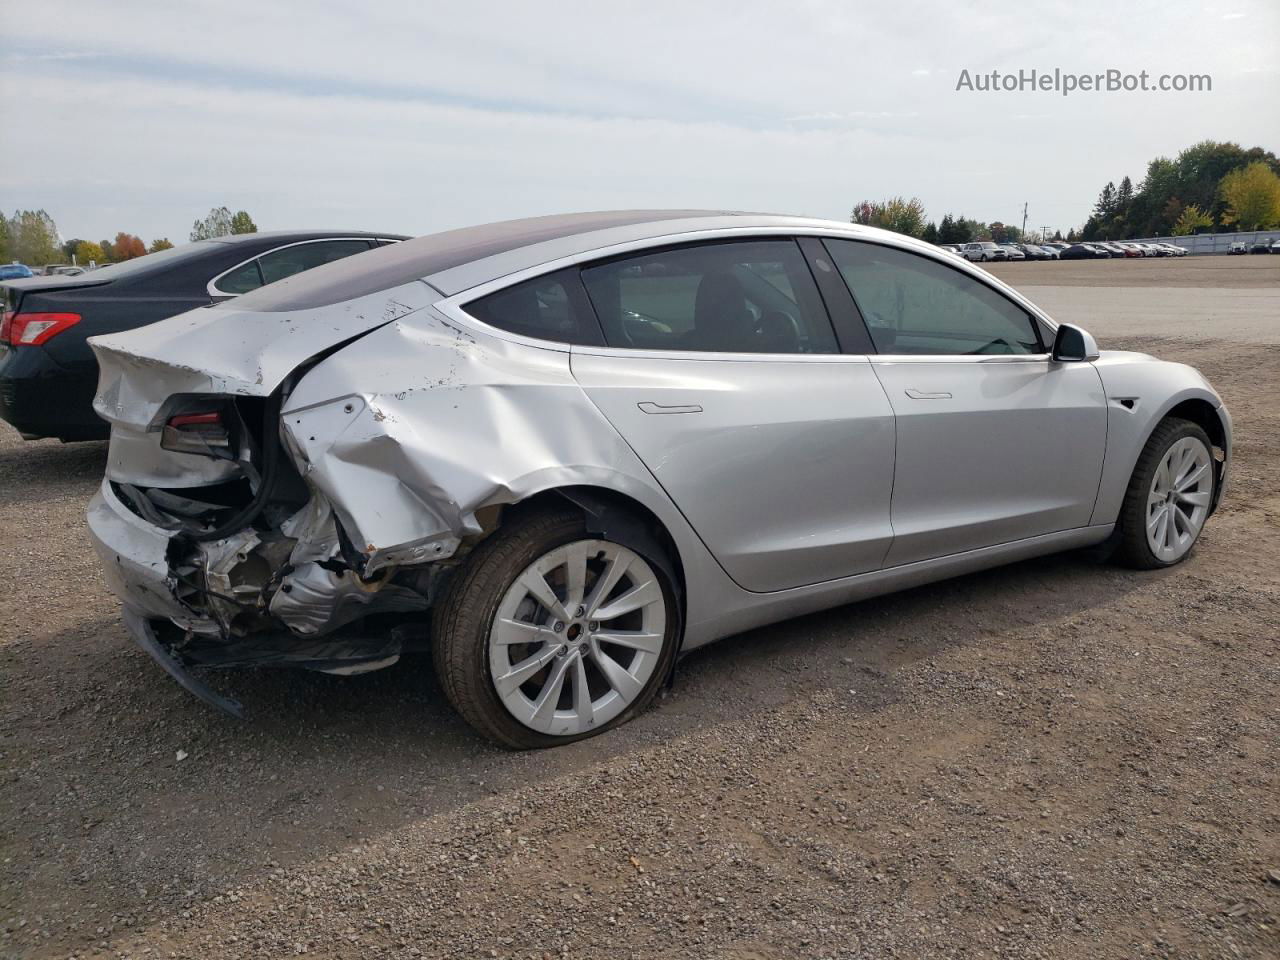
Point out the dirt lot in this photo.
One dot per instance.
(1058, 759)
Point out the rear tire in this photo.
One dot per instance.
(583, 649)
(1169, 497)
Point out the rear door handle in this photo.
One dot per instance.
(650, 407)
(925, 395)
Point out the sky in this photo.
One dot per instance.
(410, 117)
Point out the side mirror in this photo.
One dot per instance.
(1071, 344)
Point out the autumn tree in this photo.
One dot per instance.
(1252, 197)
(87, 252)
(1191, 220)
(160, 243)
(127, 246)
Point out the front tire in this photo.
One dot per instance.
(548, 634)
(1169, 497)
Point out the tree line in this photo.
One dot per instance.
(908, 216)
(31, 237)
(1209, 187)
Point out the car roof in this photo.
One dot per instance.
(285, 236)
(457, 260)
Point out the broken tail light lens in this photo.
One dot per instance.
(33, 329)
(206, 433)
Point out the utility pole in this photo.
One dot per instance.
(1024, 217)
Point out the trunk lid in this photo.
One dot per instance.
(224, 350)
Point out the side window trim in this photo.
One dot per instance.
(212, 286)
(1035, 322)
(842, 310)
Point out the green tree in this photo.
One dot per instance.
(33, 238)
(241, 222)
(1191, 220)
(897, 214)
(930, 234)
(160, 243)
(87, 251)
(69, 248)
(108, 251)
(1251, 196)
(216, 224)
(4, 238)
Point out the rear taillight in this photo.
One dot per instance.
(205, 433)
(33, 329)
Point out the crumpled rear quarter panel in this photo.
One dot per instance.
(414, 427)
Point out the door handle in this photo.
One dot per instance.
(650, 407)
(925, 395)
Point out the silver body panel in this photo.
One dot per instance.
(787, 483)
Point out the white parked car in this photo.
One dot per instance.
(984, 250)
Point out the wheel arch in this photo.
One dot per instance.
(1127, 439)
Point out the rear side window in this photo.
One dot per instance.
(545, 308)
(914, 305)
(743, 297)
(301, 257)
(242, 279)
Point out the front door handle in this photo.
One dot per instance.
(650, 407)
(925, 395)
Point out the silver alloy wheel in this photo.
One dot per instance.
(577, 637)
(1179, 499)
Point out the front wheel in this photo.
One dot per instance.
(1169, 496)
(548, 635)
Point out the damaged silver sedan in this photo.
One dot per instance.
(558, 452)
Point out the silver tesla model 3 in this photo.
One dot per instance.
(558, 452)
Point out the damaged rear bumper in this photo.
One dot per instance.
(138, 565)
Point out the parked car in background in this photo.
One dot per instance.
(984, 250)
(1131, 250)
(568, 509)
(1013, 250)
(1275, 246)
(1034, 251)
(1261, 245)
(1237, 248)
(950, 248)
(15, 271)
(62, 270)
(47, 371)
(1083, 251)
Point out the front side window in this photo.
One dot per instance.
(915, 305)
(752, 296)
(301, 257)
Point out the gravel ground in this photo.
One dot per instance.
(1056, 759)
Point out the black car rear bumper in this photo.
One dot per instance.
(42, 398)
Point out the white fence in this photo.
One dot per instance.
(1214, 242)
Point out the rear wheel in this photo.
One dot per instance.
(548, 634)
(1169, 496)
